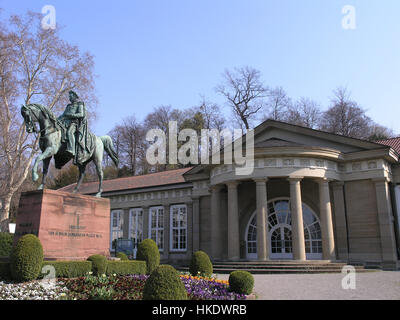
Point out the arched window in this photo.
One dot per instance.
(280, 231)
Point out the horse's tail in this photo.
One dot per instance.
(109, 148)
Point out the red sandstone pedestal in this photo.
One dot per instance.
(69, 226)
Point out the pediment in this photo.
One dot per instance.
(274, 133)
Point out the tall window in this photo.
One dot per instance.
(156, 222)
(178, 234)
(117, 220)
(136, 224)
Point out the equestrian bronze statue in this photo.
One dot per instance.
(67, 138)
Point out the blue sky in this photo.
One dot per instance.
(155, 52)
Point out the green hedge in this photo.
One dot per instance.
(122, 256)
(164, 283)
(126, 267)
(6, 242)
(201, 264)
(99, 264)
(148, 251)
(26, 258)
(69, 269)
(5, 273)
(241, 282)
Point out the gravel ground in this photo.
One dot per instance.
(380, 285)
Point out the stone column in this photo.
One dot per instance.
(386, 227)
(262, 230)
(166, 235)
(328, 241)
(340, 220)
(216, 238)
(299, 250)
(189, 226)
(233, 221)
(196, 223)
(146, 227)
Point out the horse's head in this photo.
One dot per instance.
(26, 113)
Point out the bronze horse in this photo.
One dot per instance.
(52, 144)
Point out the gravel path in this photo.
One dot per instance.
(381, 285)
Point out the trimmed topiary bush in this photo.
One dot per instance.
(123, 268)
(99, 264)
(164, 283)
(241, 282)
(26, 258)
(69, 269)
(5, 273)
(6, 242)
(148, 251)
(201, 264)
(121, 255)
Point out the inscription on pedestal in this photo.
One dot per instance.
(70, 226)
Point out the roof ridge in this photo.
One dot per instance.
(129, 177)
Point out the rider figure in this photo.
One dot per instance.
(75, 120)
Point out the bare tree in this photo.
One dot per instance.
(304, 112)
(378, 132)
(345, 116)
(129, 139)
(36, 66)
(277, 105)
(244, 92)
(212, 114)
(160, 119)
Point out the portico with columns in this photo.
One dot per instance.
(310, 196)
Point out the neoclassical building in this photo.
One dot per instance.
(311, 196)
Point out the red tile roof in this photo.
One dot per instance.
(126, 183)
(394, 143)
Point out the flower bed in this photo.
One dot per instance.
(131, 288)
(34, 290)
(112, 287)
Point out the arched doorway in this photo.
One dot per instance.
(280, 232)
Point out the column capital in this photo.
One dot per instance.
(337, 184)
(232, 184)
(216, 188)
(380, 180)
(294, 179)
(260, 180)
(322, 180)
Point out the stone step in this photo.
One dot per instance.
(286, 271)
(280, 270)
(283, 266)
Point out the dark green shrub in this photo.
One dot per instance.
(148, 251)
(121, 255)
(164, 283)
(26, 258)
(5, 273)
(69, 269)
(123, 268)
(200, 264)
(241, 282)
(6, 242)
(99, 264)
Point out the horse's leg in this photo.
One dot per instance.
(82, 170)
(46, 163)
(98, 159)
(48, 153)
